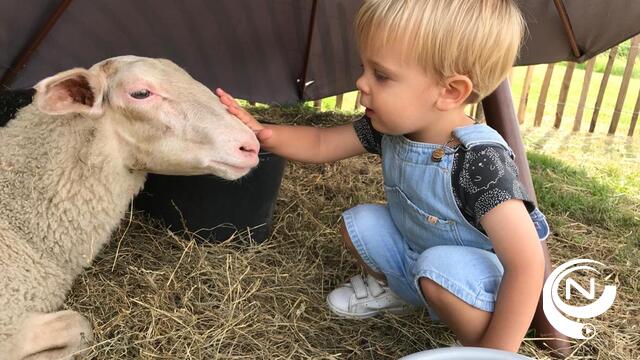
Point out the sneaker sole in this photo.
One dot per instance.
(366, 315)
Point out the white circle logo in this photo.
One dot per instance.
(555, 309)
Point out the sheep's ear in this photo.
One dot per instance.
(72, 91)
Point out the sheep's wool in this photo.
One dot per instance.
(49, 165)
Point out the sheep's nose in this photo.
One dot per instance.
(249, 150)
(251, 146)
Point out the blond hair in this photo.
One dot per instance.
(476, 38)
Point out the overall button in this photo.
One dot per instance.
(437, 155)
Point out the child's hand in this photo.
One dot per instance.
(262, 133)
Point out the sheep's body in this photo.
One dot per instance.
(78, 206)
(65, 184)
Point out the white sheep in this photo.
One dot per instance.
(71, 162)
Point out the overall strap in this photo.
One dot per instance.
(480, 134)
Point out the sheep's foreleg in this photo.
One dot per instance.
(59, 335)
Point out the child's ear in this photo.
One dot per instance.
(454, 93)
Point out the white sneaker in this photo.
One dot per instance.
(362, 298)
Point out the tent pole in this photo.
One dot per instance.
(500, 115)
(566, 23)
(25, 55)
(302, 80)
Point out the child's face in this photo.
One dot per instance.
(399, 96)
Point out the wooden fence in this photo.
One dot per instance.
(583, 105)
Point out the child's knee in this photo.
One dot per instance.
(435, 295)
(432, 292)
(346, 239)
(344, 232)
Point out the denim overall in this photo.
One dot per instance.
(421, 231)
(419, 190)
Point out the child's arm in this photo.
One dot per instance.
(300, 143)
(516, 244)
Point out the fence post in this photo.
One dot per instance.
(603, 87)
(542, 99)
(479, 115)
(634, 118)
(583, 95)
(524, 96)
(356, 107)
(474, 110)
(628, 71)
(564, 92)
(339, 100)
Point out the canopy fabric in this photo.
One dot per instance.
(272, 51)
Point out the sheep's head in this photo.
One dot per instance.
(164, 121)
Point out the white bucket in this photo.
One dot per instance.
(465, 353)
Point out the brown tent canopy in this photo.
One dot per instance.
(261, 50)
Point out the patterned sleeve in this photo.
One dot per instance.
(484, 177)
(370, 138)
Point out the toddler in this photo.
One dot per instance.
(458, 233)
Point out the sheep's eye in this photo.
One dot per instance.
(140, 94)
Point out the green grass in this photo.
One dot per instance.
(589, 187)
(591, 196)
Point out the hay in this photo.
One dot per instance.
(166, 297)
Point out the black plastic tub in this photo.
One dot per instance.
(213, 208)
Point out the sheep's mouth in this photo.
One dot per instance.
(231, 170)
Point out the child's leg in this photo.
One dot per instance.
(352, 249)
(467, 322)
(470, 323)
(370, 234)
(372, 237)
(459, 285)
(559, 344)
